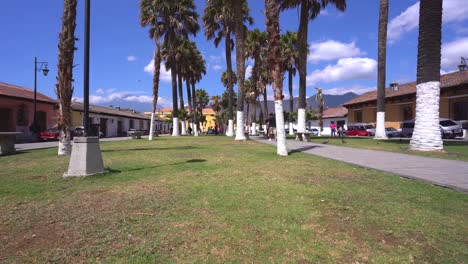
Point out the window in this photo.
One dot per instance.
(460, 110)
(132, 124)
(358, 116)
(407, 113)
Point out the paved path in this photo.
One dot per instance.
(447, 173)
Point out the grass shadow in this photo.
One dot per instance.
(302, 149)
(146, 148)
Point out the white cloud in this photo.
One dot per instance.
(165, 75)
(217, 67)
(357, 89)
(131, 58)
(452, 51)
(115, 97)
(332, 50)
(408, 20)
(99, 91)
(215, 59)
(248, 71)
(345, 69)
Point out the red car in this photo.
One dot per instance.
(358, 131)
(50, 134)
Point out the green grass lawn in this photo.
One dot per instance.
(452, 150)
(211, 199)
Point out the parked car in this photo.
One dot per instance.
(359, 126)
(448, 128)
(392, 132)
(50, 134)
(314, 131)
(79, 132)
(357, 131)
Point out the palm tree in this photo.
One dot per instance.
(426, 135)
(150, 17)
(175, 20)
(382, 57)
(319, 99)
(64, 86)
(310, 9)
(197, 70)
(275, 60)
(255, 42)
(201, 101)
(218, 21)
(289, 53)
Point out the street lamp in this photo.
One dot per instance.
(462, 66)
(45, 71)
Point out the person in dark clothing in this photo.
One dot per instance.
(271, 126)
(216, 129)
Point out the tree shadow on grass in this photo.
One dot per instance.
(302, 149)
(17, 152)
(110, 171)
(146, 148)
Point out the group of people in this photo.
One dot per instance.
(334, 129)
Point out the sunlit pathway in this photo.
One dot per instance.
(447, 173)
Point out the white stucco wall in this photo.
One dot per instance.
(326, 124)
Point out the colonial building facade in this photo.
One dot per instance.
(400, 101)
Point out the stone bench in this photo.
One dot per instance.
(301, 136)
(135, 134)
(7, 142)
(247, 135)
(262, 133)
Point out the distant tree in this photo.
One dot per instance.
(289, 53)
(320, 101)
(64, 86)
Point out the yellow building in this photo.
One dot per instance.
(400, 102)
(208, 113)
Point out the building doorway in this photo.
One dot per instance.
(119, 128)
(41, 120)
(6, 124)
(103, 126)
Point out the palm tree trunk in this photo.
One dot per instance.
(230, 131)
(157, 68)
(426, 135)
(194, 104)
(302, 65)
(66, 49)
(274, 58)
(291, 100)
(240, 63)
(181, 101)
(189, 98)
(265, 103)
(175, 110)
(382, 58)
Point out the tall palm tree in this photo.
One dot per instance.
(381, 68)
(319, 99)
(177, 20)
(275, 60)
(198, 69)
(310, 9)
(256, 41)
(149, 16)
(238, 9)
(218, 21)
(426, 135)
(64, 86)
(289, 53)
(202, 99)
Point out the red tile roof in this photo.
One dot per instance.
(335, 112)
(446, 81)
(11, 90)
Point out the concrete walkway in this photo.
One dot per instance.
(448, 173)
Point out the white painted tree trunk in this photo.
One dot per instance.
(254, 129)
(301, 120)
(281, 148)
(291, 129)
(64, 145)
(183, 128)
(240, 126)
(380, 126)
(195, 130)
(230, 130)
(426, 134)
(175, 126)
(151, 130)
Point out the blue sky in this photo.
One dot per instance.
(342, 58)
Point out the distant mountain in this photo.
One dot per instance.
(330, 101)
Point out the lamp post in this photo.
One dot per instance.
(462, 66)
(45, 71)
